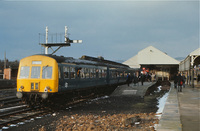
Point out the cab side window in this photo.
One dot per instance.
(66, 72)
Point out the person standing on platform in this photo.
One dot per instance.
(184, 80)
(180, 83)
(175, 80)
(142, 79)
(128, 80)
(135, 80)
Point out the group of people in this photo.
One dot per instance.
(179, 81)
(135, 79)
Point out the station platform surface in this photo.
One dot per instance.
(133, 90)
(181, 111)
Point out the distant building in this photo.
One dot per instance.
(1, 74)
(10, 73)
(190, 67)
(155, 62)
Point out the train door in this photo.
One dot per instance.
(35, 78)
(108, 75)
(61, 77)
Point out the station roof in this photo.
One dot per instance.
(150, 56)
(195, 52)
(190, 61)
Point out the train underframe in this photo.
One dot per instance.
(36, 99)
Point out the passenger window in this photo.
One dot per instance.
(82, 73)
(104, 73)
(91, 73)
(72, 72)
(110, 74)
(125, 74)
(100, 73)
(24, 72)
(78, 72)
(117, 74)
(95, 73)
(113, 74)
(87, 73)
(66, 72)
(47, 72)
(35, 72)
(121, 74)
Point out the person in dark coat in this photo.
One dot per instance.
(142, 79)
(184, 80)
(128, 80)
(180, 83)
(175, 80)
(135, 80)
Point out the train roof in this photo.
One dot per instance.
(86, 60)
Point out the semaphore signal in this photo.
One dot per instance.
(48, 45)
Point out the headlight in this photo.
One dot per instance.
(46, 89)
(22, 87)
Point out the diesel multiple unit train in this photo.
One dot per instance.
(43, 76)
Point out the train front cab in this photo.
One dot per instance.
(37, 74)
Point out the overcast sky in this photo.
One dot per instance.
(116, 30)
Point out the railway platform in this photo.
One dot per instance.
(134, 90)
(181, 111)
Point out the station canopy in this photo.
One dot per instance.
(195, 52)
(192, 60)
(150, 56)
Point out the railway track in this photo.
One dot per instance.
(12, 109)
(8, 98)
(9, 101)
(14, 112)
(16, 115)
(7, 92)
(19, 114)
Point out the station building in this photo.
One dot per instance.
(10, 73)
(155, 62)
(190, 67)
